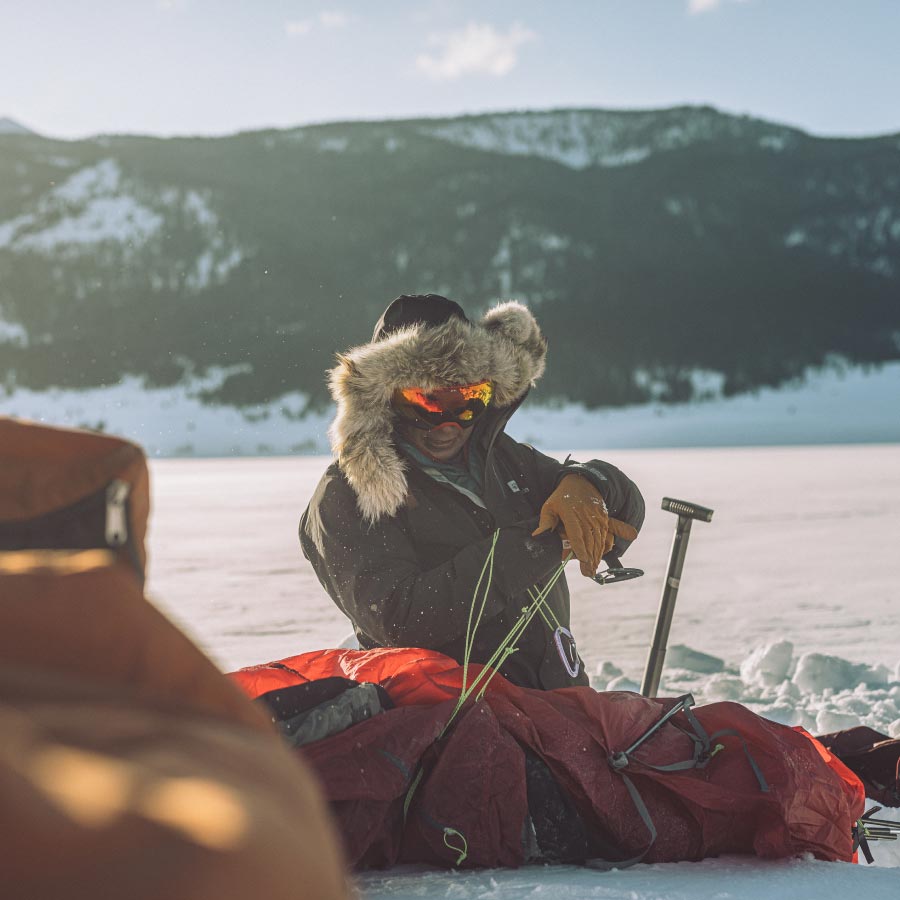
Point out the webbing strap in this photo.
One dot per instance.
(760, 778)
(699, 730)
(861, 842)
(621, 758)
(638, 801)
(700, 758)
(700, 739)
(618, 761)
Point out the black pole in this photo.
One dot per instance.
(686, 512)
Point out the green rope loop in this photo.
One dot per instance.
(462, 851)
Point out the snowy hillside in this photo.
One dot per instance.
(669, 255)
(849, 405)
(582, 138)
(97, 213)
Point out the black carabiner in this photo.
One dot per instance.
(616, 571)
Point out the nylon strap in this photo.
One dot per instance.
(700, 758)
(760, 778)
(605, 864)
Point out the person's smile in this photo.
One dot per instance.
(444, 442)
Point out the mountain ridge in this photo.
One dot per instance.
(746, 249)
(465, 116)
(11, 126)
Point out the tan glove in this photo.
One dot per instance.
(578, 513)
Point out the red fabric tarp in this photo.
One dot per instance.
(473, 784)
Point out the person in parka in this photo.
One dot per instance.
(400, 526)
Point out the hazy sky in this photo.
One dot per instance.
(72, 68)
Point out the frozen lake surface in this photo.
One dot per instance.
(804, 546)
(794, 588)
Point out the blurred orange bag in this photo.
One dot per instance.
(129, 765)
(62, 489)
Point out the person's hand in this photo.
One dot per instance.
(576, 510)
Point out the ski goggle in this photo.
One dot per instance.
(460, 404)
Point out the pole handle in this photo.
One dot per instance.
(685, 508)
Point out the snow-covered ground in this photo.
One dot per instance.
(790, 603)
(729, 878)
(834, 405)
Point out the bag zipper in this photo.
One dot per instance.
(116, 518)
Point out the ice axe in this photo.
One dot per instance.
(686, 513)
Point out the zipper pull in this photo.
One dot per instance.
(116, 519)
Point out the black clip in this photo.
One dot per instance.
(616, 572)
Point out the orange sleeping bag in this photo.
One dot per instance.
(759, 787)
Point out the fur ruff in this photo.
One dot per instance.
(506, 346)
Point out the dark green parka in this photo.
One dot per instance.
(402, 560)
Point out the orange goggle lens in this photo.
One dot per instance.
(459, 403)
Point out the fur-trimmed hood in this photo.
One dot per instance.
(506, 346)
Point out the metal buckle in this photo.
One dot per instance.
(616, 571)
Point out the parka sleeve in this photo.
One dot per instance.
(373, 574)
(623, 497)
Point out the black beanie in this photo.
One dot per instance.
(411, 309)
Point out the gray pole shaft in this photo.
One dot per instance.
(666, 608)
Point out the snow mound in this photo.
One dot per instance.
(723, 687)
(768, 665)
(606, 671)
(623, 683)
(820, 692)
(818, 672)
(683, 657)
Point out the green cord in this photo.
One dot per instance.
(462, 851)
(470, 630)
(409, 793)
(537, 605)
(549, 609)
(506, 648)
